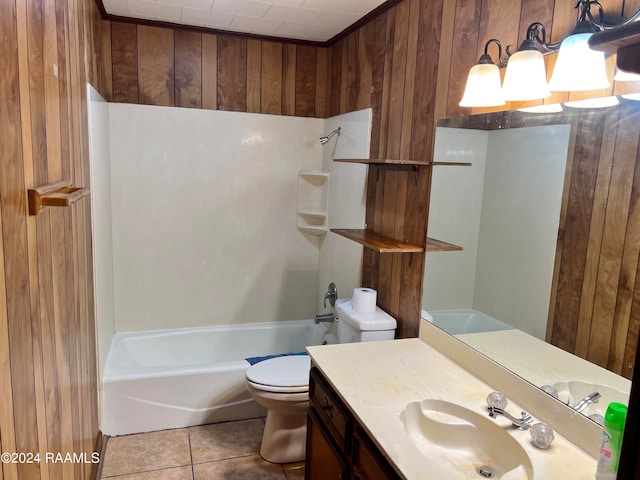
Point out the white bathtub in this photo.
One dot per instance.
(461, 321)
(176, 378)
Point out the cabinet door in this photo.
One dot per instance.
(324, 461)
(331, 412)
(368, 463)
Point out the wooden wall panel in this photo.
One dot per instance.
(305, 84)
(124, 55)
(188, 69)
(289, 79)
(271, 78)
(322, 66)
(335, 79)
(156, 76)
(210, 72)
(232, 73)
(175, 67)
(254, 72)
(48, 386)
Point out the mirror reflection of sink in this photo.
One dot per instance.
(466, 439)
(573, 391)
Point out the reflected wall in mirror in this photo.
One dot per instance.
(548, 216)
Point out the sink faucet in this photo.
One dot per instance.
(519, 423)
(327, 317)
(586, 401)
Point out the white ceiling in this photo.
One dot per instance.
(315, 20)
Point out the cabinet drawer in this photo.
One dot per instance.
(330, 410)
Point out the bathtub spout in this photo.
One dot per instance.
(327, 317)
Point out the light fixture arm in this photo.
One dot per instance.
(537, 32)
(486, 58)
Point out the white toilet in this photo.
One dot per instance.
(281, 384)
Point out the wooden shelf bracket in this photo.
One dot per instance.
(58, 194)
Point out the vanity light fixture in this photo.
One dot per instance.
(597, 102)
(483, 82)
(624, 76)
(577, 68)
(526, 77)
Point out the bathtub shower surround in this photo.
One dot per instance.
(202, 212)
(204, 217)
(463, 321)
(176, 378)
(100, 198)
(340, 258)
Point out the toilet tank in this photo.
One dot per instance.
(356, 327)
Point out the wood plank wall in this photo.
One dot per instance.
(48, 377)
(389, 65)
(162, 66)
(409, 65)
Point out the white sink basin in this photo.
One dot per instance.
(573, 391)
(467, 440)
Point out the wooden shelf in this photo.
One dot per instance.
(378, 242)
(388, 161)
(383, 244)
(434, 245)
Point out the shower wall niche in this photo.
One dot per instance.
(313, 202)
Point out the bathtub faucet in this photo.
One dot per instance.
(327, 317)
(331, 295)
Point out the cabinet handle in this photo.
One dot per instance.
(328, 408)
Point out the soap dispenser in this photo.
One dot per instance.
(614, 420)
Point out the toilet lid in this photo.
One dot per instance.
(289, 371)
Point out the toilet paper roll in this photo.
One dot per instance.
(364, 300)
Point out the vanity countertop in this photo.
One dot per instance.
(378, 379)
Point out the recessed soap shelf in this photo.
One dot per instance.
(313, 202)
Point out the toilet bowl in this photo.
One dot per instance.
(281, 384)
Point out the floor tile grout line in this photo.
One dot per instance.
(227, 458)
(143, 471)
(193, 473)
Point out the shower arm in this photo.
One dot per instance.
(326, 138)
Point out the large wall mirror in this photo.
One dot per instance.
(548, 217)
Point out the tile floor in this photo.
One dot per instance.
(219, 451)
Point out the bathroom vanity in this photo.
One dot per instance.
(360, 427)
(337, 445)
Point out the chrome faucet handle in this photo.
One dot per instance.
(497, 399)
(331, 295)
(519, 423)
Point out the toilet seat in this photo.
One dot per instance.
(289, 374)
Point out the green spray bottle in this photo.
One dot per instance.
(614, 420)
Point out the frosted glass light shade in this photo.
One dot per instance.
(483, 87)
(578, 67)
(526, 77)
(623, 76)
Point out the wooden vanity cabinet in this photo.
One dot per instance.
(337, 447)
